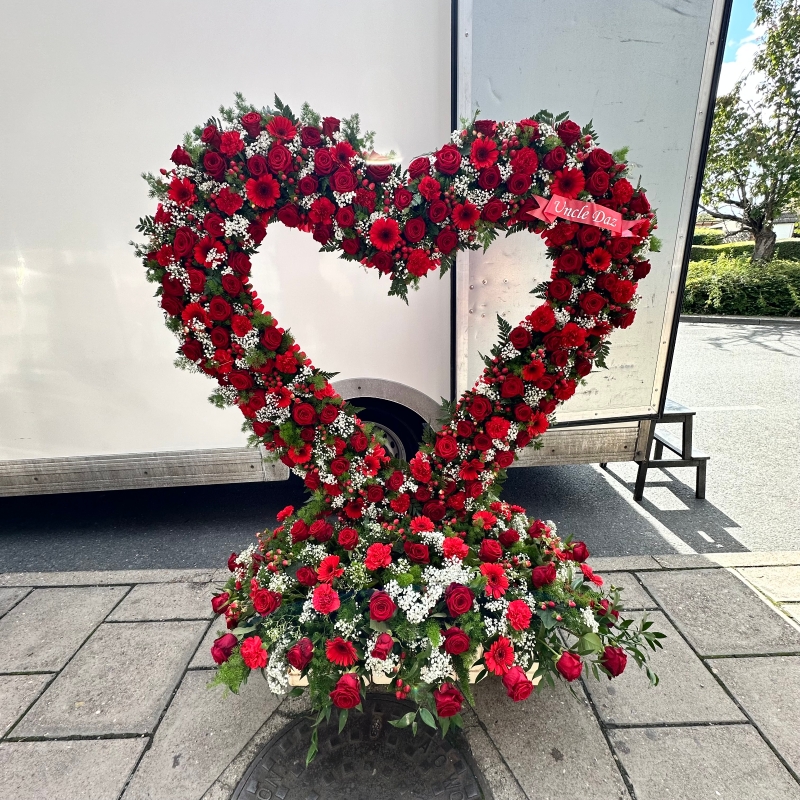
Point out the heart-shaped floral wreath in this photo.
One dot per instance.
(415, 571)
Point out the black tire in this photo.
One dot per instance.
(402, 428)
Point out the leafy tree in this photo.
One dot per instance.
(753, 168)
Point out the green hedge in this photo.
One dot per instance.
(734, 286)
(707, 236)
(785, 249)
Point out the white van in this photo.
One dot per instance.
(94, 93)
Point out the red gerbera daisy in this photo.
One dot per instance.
(500, 656)
(599, 259)
(281, 128)
(384, 234)
(329, 569)
(533, 371)
(263, 191)
(340, 652)
(484, 153)
(342, 152)
(496, 581)
(465, 215)
(568, 182)
(181, 190)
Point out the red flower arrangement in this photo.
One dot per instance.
(410, 570)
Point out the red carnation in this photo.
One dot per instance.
(519, 615)
(325, 599)
(253, 653)
(378, 555)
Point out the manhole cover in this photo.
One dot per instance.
(369, 760)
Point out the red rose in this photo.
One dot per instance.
(482, 441)
(639, 204)
(560, 289)
(479, 408)
(490, 551)
(522, 411)
(233, 286)
(555, 159)
(485, 126)
(512, 386)
(465, 428)
(214, 164)
(520, 338)
(641, 269)
(458, 598)
(345, 217)
(518, 686)
(306, 575)
(310, 136)
(321, 530)
(343, 181)
(518, 183)
(402, 198)
(419, 166)
(181, 157)
(240, 262)
(414, 230)
(219, 309)
(184, 242)
(220, 602)
(395, 481)
(223, 647)
(272, 338)
(265, 601)
(257, 165)
(289, 215)
(381, 607)
(240, 380)
(308, 185)
(600, 159)
(323, 162)
(489, 179)
(568, 132)
(504, 459)
(379, 172)
(447, 241)
(257, 231)
(543, 575)
(598, 183)
(592, 303)
(192, 350)
(493, 210)
(446, 447)
(435, 509)
(359, 441)
(589, 237)
(614, 660)
(620, 247)
(330, 125)
(339, 466)
(348, 538)
(580, 552)
(299, 655)
(417, 552)
(448, 700)
(569, 665)
(279, 158)
(251, 122)
(304, 414)
(455, 641)
(508, 538)
(448, 159)
(383, 646)
(347, 692)
(569, 261)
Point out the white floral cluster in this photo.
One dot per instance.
(416, 605)
(439, 667)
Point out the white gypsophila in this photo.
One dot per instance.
(307, 201)
(279, 582)
(338, 233)
(533, 395)
(519, 522)
(455, 137)
(505, 170)
(344, 199)
(357, 575)
(277, 669)
(589, 619)
(486, 389)
(399, 567)
(488, 455)
(229, 395)
(507, 128)
(260, 146)
(453, 570)
(562, 317)
(249, 341)
(308, 613)
(343, 425)
(464, 235)
(338, 501)
(236, 227)
(550, 524)
(439, 666)
(185, 171)
(508, 352)
(461, 185)
(347, 628)
(434, 539)
(415, 605)
(312, 554)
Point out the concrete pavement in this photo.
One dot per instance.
(103, 694)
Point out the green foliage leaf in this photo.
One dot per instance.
(427, 717)
(404, 721)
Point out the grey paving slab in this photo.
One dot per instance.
(769, 691)
(634, 597)
(762, 558)
(686, 692)
(154, 601)
(76, 770)
(719, 614)
(730, 762)
(781, 584)
(119, 682)
(685, 561)
(551, 742)
(49, 625)
(202, 658)
(605, 564)
(201, 733)
(107, 577)
(17, 692)
(10, 597)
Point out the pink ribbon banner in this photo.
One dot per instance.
(583, 213)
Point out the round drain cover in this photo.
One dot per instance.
(369, 759)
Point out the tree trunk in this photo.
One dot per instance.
(765, 245)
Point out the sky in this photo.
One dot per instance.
(740, 46)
